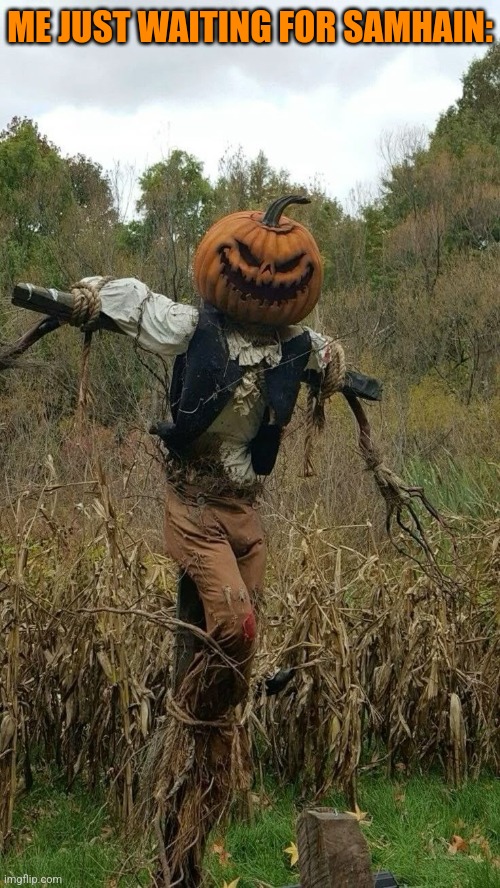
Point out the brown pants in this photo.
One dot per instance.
(219, 542)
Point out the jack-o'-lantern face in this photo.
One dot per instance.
(260, 268)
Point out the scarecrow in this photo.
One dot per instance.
(239, 364)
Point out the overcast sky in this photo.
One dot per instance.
(318, 111)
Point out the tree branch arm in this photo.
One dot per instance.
(10, 353)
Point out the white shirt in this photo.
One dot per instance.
(165, 328)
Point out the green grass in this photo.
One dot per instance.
(408, 829)
(409, 826)
(65, 835)
(414, 822)
(463, 490)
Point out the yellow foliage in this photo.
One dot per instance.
(293, 852)
(432, 407)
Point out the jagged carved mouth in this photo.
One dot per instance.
(266, 293)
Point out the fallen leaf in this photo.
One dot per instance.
(261, 801)
(358, 814)
(483, 844)
(232, 884)
(457, 844)
(292, 850)
(399, 796)
(223, 855)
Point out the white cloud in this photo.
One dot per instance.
(313, 110)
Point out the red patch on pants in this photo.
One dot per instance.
(249, 627)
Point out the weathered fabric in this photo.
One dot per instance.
(219, 542)
(157, 323)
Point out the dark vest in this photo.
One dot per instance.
(203, 382)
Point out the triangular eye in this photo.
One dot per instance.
(247, 254)
(290, 264)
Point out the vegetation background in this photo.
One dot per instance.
(396, 667)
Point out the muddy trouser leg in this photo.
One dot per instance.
(219, 544)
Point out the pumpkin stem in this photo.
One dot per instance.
(272, 215)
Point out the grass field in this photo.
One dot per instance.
(410, 825)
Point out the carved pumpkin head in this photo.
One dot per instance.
(260, 268)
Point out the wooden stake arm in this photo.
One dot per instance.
(56, 303)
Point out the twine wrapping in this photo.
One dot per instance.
(192, 770)
(87, 306)
(85, 314)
